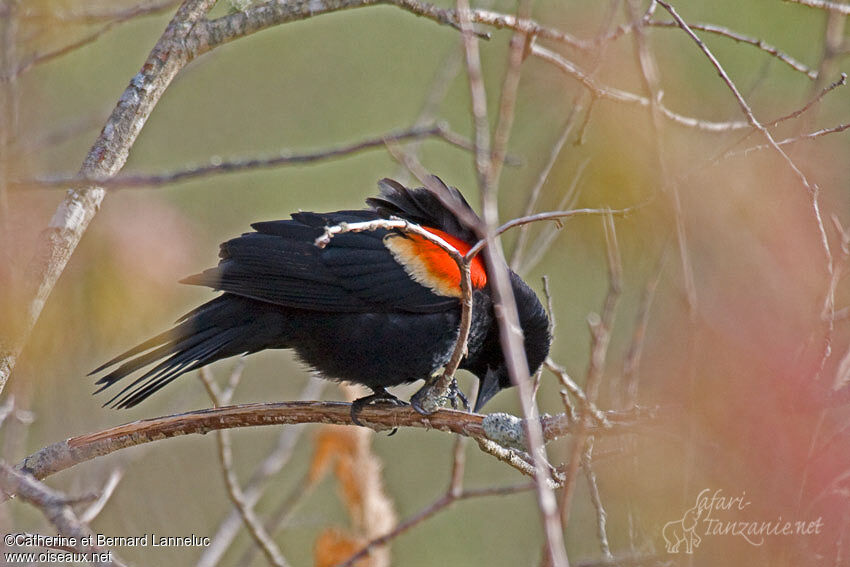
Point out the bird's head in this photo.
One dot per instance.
(492, 370)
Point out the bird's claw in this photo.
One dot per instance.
(379, 397)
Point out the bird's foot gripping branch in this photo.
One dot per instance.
(432, 396)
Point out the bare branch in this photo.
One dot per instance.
(812, 188)
(617, 95)
(267, 14)
(741, 38)
(55, 506)
(600, 335)
(105, 494)
(590, 407)
(65, 454)
(507, 104)
(234, 491)
(837, 7)
(284, 158)
(596, 499)
(429, 511)
(254, 487)
(635, 352)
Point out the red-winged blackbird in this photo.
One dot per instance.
(378, 308)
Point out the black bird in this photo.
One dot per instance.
(378, 308)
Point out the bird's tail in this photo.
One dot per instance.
(215, 330)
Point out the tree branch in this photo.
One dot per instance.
(217, 166)
(66, 454)
(54, 505)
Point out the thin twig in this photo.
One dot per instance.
(548, 216)
(440, 504)
(596, 499)
(106, 492)
(618, 95)
(507, 104)
(225, 455)
(631, 363)
(219, 166)
(253, 490)
(600, 333)
(589, 407)
(741, 38)
(843, 9)
(56, 508)
(811, 188)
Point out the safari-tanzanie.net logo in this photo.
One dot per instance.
(715, 514)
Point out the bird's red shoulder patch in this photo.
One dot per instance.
(430, 265)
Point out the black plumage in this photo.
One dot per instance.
(357, 310)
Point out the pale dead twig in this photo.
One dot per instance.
(90, 513)
(618, 95)
(730, 150)
(837, 7)
(504, 303)
(254, 488)
(575, 390)
(792, 140)
(596, 500)
(812, 189)
(741, 38)
(56, 508)
(225, 454)
(600, 333)
(633, 356)
(507, 103)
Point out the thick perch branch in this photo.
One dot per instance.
(66, 454)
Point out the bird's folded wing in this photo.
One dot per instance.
(355, 272)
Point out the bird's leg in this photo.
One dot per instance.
(380, 396)
(428, 398)
(455, 394)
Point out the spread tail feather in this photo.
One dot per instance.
(211, 332)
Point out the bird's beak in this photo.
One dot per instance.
(488, 388)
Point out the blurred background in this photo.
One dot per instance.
(724, 272)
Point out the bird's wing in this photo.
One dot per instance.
(356, 272)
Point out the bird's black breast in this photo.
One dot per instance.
(374, 349)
